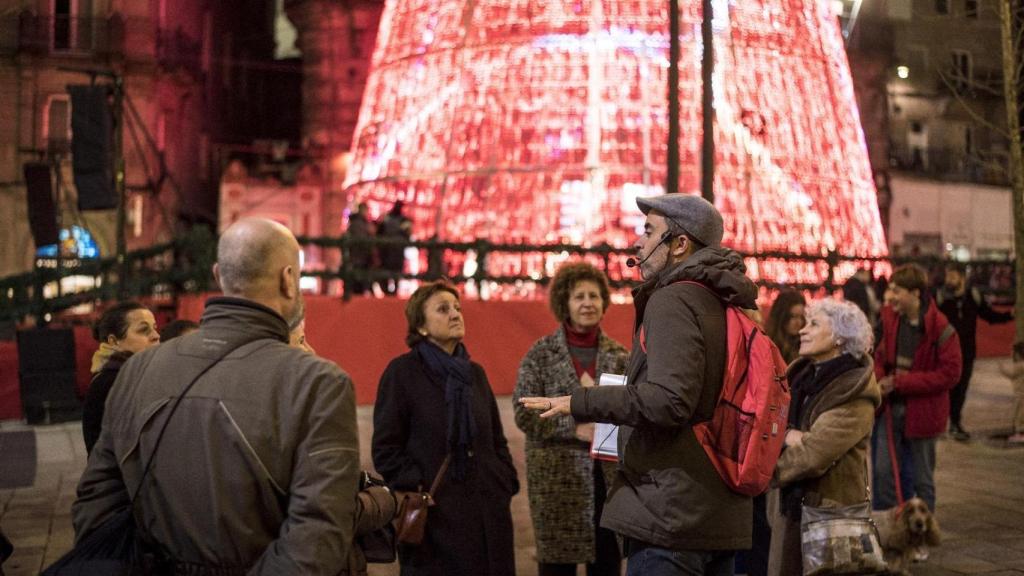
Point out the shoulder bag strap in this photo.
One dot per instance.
(440, 475)
(174, 408)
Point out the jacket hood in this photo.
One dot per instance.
(720, 269)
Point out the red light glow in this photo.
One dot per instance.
(540, 122)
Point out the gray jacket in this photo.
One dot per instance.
(667, 492)
(258, 468)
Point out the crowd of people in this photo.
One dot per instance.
(259, 471)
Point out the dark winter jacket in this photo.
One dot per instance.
(667, 493)
(559, 469)
(258, 468)
(469, 530)
(935, 370)
(963, 312)
(96, 398)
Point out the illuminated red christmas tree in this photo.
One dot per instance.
(541, 121)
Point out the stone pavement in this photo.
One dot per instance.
(980, 488)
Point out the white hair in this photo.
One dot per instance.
(849, 325)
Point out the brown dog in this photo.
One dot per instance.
(904, 529)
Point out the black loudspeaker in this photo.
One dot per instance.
(46, 370)
(42, 212)
(92, 143)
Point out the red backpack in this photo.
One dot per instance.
(744, 437)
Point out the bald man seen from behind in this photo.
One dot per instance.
(256, 471)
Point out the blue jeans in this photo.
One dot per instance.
(915, 457)
(647, 560)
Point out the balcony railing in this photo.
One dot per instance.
(951, 164)
(59, 35)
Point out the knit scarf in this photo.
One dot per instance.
(99, 358)
(811, 380)
(586, 339)
(456, 372)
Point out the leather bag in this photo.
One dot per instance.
(411, 524)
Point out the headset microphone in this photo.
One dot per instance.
(633, 263)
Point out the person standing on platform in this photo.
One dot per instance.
(251, 445)
(567, 487)
(394, 226)
(675, 513)
(360, 255)
(963, 305)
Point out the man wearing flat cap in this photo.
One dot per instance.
(675, 513)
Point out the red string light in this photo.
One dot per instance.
(519, 121)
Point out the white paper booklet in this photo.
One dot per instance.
(605, 445)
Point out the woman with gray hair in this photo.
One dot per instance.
(832, 411)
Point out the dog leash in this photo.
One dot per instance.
(892, 454)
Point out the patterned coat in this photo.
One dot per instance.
(559, 470)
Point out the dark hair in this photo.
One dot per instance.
(957, 267)
(1018, 350)
(566, 278)
(778, 317)
(176, 328)
(414, 314)
(910, 277)
(114, 321)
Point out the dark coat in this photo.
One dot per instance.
(667, 492)
(830, 462)
(469, 530)
(935, 370)
(96, 398)
(559, 469)
(963, 312)
(359, 228)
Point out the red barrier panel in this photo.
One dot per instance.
(10, 392)
(364, 334)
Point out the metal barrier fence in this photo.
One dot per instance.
(184, 266)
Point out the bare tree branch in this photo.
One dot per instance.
(975, 116)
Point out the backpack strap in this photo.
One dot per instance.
(174, 408)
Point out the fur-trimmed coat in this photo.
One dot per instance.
(559, 470)
(831, 459)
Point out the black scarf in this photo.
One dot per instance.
(457, 374)
(812, 380)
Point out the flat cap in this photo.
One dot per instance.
(695, 215)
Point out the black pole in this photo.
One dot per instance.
(707, 68)
(119, 185)
(60, 222)
(672, 167)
